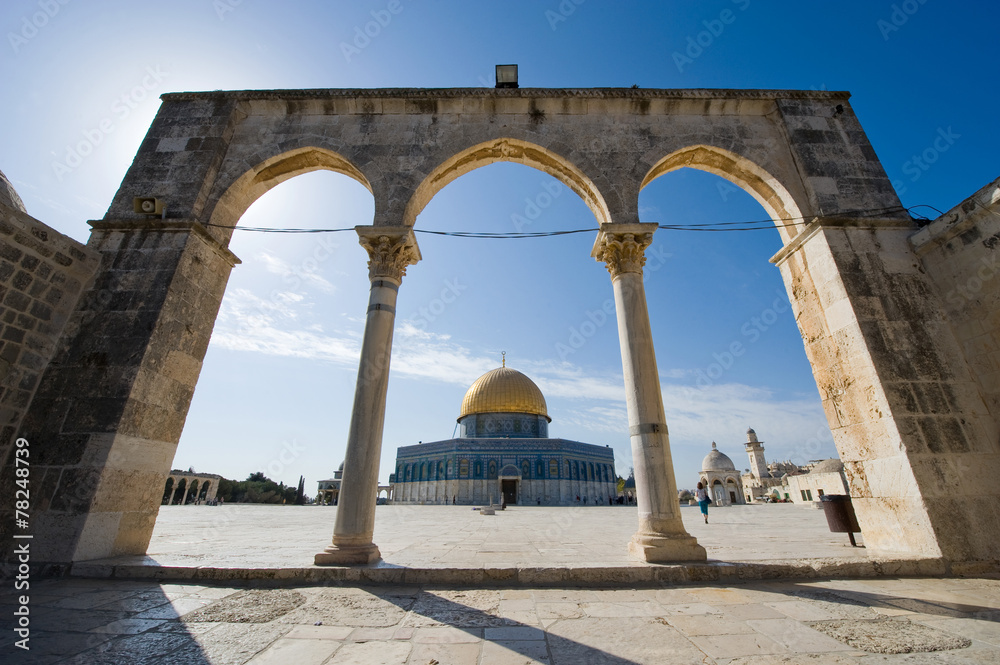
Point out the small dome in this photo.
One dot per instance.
(716, 461)
(341, 467)
(504, 390)
(828, 466)
(751, 436)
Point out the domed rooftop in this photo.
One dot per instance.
(504, 390)
(828, 466)
(716, 461)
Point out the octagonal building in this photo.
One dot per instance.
(504, 450)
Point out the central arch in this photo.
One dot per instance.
(507, 150)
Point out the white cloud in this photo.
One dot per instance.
(296, 275)
(795, 427)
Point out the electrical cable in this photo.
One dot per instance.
(751, 225)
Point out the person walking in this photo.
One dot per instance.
(702, 496)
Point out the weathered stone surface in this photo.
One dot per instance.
(887, 635)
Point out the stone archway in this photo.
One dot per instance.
(904, 406)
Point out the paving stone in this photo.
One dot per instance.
(514, 653)
(235, 643)
(351, 607)
(249, 606)
(636, 641)
(732, 646)
(795, 636)
(445, 654)
(446, 635)
(297, 651)
(891, 636)
(129, 626)
(319, 632)
(371, 653)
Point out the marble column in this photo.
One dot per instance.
(661, 535)
(390, 251)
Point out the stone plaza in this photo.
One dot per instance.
(164, 615)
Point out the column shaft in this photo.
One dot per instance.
(391, 250)
(661, 535)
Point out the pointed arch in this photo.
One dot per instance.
(745, 174)
(273, 171)
(507, 150)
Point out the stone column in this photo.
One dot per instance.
(390, 251)
(661, 535)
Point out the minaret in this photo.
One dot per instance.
(755, 449)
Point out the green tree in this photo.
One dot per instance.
(300, 493)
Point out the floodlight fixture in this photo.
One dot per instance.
(506, 76)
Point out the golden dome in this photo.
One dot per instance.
(504, 390)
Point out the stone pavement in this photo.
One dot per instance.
(458, 536)
(838, 622)
(525, 545)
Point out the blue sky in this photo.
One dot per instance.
(278, 380)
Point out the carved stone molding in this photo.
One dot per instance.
(622, 248)
(390, 251)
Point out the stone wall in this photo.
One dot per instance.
(961, 252)
(42, 275)
(111, 405)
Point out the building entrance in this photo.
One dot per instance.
(509, 489)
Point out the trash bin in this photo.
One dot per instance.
(840, 515)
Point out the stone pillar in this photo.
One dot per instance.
(661, 535)
(111, 405)
(390, 251)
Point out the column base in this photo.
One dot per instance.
(663, 548)
(349, 555)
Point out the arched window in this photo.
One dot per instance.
(479, 469)
(493, 469)
(463, 468)
(553, 468)
(440, 473)
(540, 469)
(526, 469)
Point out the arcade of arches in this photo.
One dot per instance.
(906, 369)
(183, 488)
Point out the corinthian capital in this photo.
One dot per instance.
(390, 250)
(622, 247)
